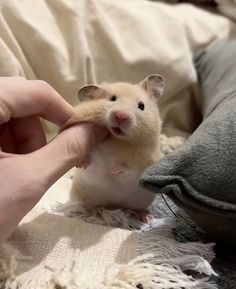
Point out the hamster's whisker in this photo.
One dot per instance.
(100, 120)
(164, 128)
(140, 129)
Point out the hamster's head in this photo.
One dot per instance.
(131, 109)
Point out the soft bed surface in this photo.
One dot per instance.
(201, 176)
(70, 43)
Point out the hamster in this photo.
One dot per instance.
(110, 177)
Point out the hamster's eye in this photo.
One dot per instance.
(141, 105)
(113, 98)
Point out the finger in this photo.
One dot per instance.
(64, 152)
(22, 135)
(28, 134)
(20, 97)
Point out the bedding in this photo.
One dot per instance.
(200, 177)
(227, 8)
(69, 43)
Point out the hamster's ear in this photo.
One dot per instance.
(90, 92)
(153, 85)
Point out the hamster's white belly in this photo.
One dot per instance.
(98, 187)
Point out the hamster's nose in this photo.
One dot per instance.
(121, 117)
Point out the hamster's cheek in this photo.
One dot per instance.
(107, 119)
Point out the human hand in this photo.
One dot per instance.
(29, 166)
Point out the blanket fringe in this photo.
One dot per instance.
(9, 260)
(97, 216)
(132, 276)
(163, 268)
(124, 219)
(162, 262)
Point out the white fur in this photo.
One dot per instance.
(98, 187)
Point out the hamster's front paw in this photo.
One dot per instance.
(119, 170)
(85, 163)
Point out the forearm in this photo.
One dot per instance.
(25, 178)
(20, 191)
(11, 213)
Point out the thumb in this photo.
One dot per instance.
(65, 151)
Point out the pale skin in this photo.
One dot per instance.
(28, 165)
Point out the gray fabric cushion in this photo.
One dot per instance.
(201, 176)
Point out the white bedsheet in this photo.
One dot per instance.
(70, 43)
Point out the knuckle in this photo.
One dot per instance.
(42, 85)
(45, 92)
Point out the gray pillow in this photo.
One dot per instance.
(200, 177)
